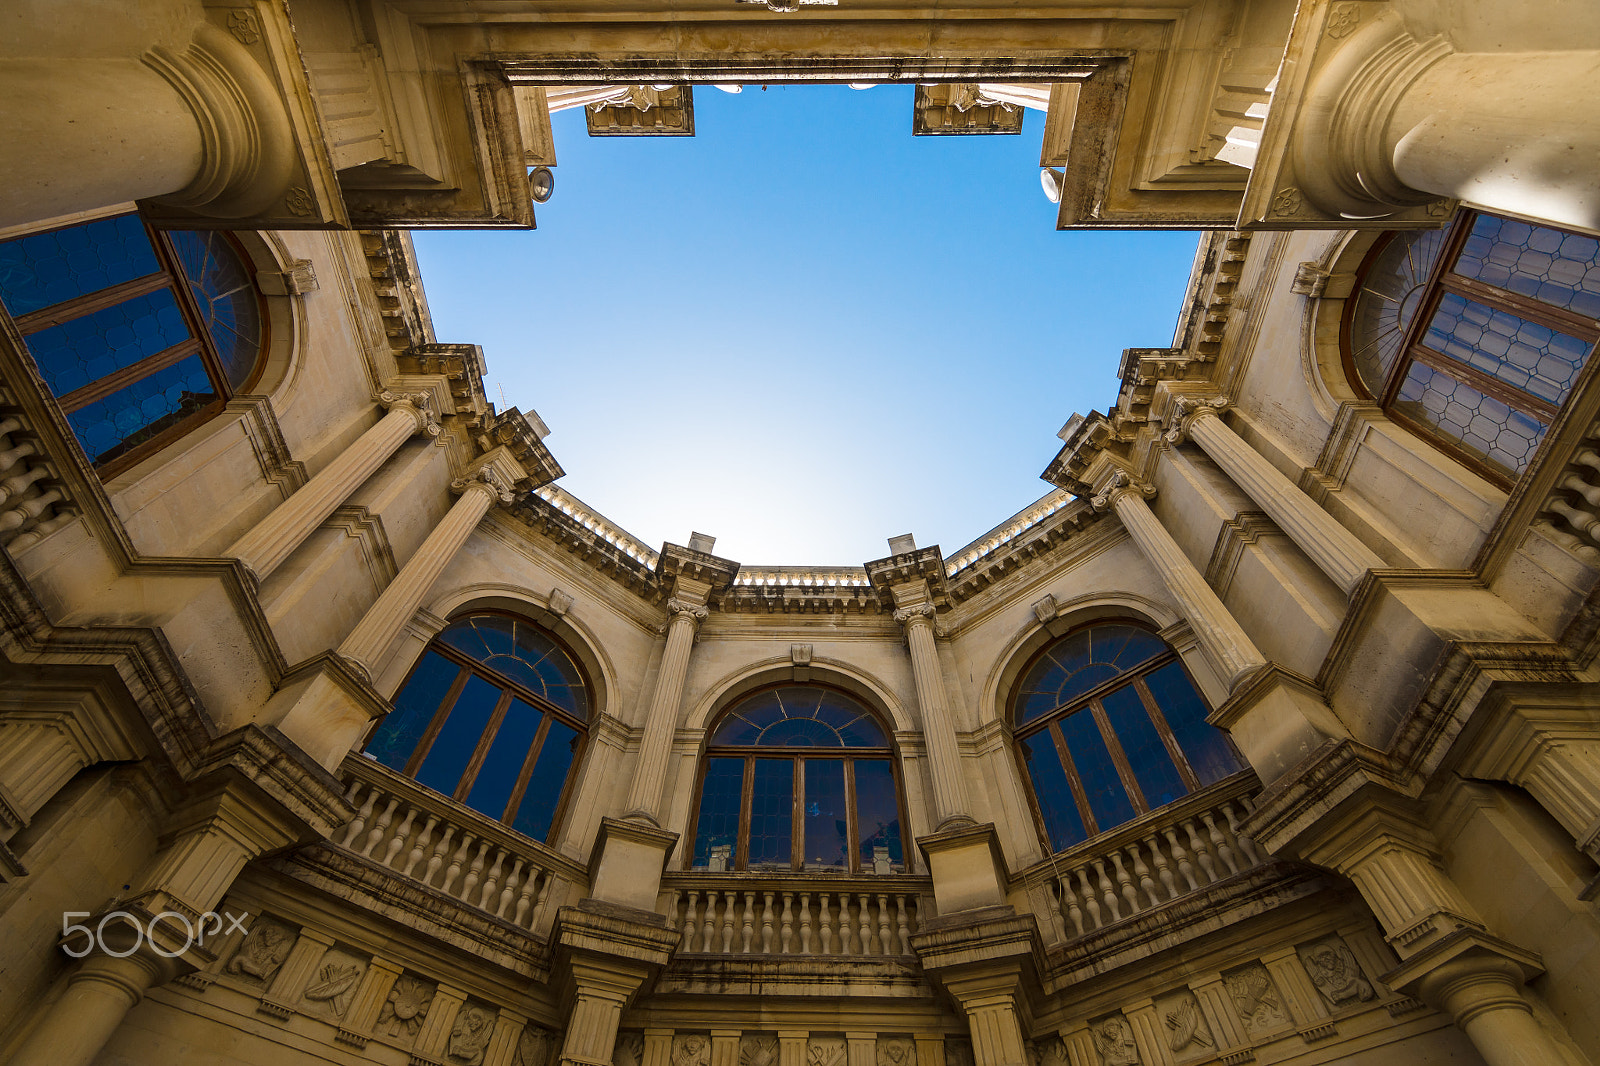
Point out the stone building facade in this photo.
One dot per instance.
(333, 730)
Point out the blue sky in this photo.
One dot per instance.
(803, 330)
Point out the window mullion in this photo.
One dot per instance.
(1119, 758)
(1485, 383)
(1526, 307)
(436, 723)
(1080, 795)
(1430, 303)
(481, 752)
(852, 826)
(526, 773)
(90, 302)
(1164, 731)
(100, 388)
(797, 806)
(741, 846)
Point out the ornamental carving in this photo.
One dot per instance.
(299, 201)
(1335, 972)
(629, 1050)
(403, 1012)
(469, 1036)
(262, 952)
(1119, 483)
(1287, 202)
(333, 984)
(896, 1051)
(420, 402)
(1185, 409)
(691, 1049)
(1052, 1051)
(489, 476)
(1186, 1029)
(1342, 20)
(825, 1051)
(535, 1044)
(696, 612)
(908, 615)
(1113, 1038)
(758, 1049)
(1256, 999)
(242, 25)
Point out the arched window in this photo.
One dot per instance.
(493, 716)
(140, 335)
(1473, 336)
(799, 778)
(1109, 726)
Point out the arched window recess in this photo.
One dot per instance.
(1108, 727)
(799, 778)
(494, 716)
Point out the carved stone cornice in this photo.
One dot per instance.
(680, 567)
(909, 578)
(522, 435)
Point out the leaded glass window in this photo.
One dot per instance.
(1109, 727)
(1474, 336)
(139, 335)
(493, 716)
(799, 777)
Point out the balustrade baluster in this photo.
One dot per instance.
(380, 825)
(1219, 842)
(440, 850)
(869, 942)
(1125, 883)
(1181, 857)
(1163, 871)
(359, 822)
(847, 926)
(542, 904)
(883, 925)
(509, 891)
(1108, 895)
(825, 920)
(420, 847)
(805, 923)
(903, 920)
(710, 921)
(729, 900)
(1201, 853)
(749, 931)
(492, 881)
(1142, 872)
(1089, 899)
(690, 925)
(1246, 844)
(525, 899)
(456, 861)
(474, 872)
(766, 923)
(1073, 911)
(401, 835)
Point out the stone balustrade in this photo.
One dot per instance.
(1181, 848)
(1571, 514)
(426, 837)
(1007, 531)
(32, 500)
(804, 576)
(850, 917)
(598, 524)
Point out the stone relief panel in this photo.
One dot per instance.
(261, 953)
(1113, 1039)
(406, 1008)
(1257, 1000)
(333, 984)
(629, 1049)
(469, 1035)
(1334, 970)
(758, 1049)
(824, 1051)
(958, 1053)
(691, 1049)
(536, 1046)
(1188, 1035)
(896, 1051)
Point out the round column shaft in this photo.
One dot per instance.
(644, 797)
(276, 536)
(944, 757)
(1484, 995)
(98, 996)
(1334, 549)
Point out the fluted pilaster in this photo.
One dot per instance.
(644, 797)
(944, 757)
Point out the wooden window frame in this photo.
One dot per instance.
(749, 753)
(509, 689)
(1442, 279)
(1092, 702)
(169, 276)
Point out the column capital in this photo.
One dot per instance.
(496, 472)
(1186, 410)
(420, 404)
(1118, 485)
(916, 614)
(694, 612)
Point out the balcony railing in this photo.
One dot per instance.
(849, 917)
(1168, 853)
(476, 860)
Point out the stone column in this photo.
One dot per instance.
(644, 797)
(944, 758)
(99, 994)
(1393, 121)
(1224, 640)
(989, 1000)
(490, 481)
(276, 536)
(602, 992)
(1335, 550)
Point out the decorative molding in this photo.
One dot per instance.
(1238, 532)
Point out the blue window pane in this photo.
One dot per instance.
(1558, 268)
(1534, 358)
(1108, 800)
(491, 789)
(225, 293)
(1152, 764)
(549, 778)
(127, 418)
(826, 816)
(877, 810)
(772, 813)
(86, 349)
(1204, 745)
(395, 740)
(800, 715)
(1390, 295)
(458, 738)
(46, 268)
(799, 733)
(1062, 822)
(523, 653)
(721, 803)
(1504, 436)
(1082, 661)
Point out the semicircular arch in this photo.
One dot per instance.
(859, 683)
